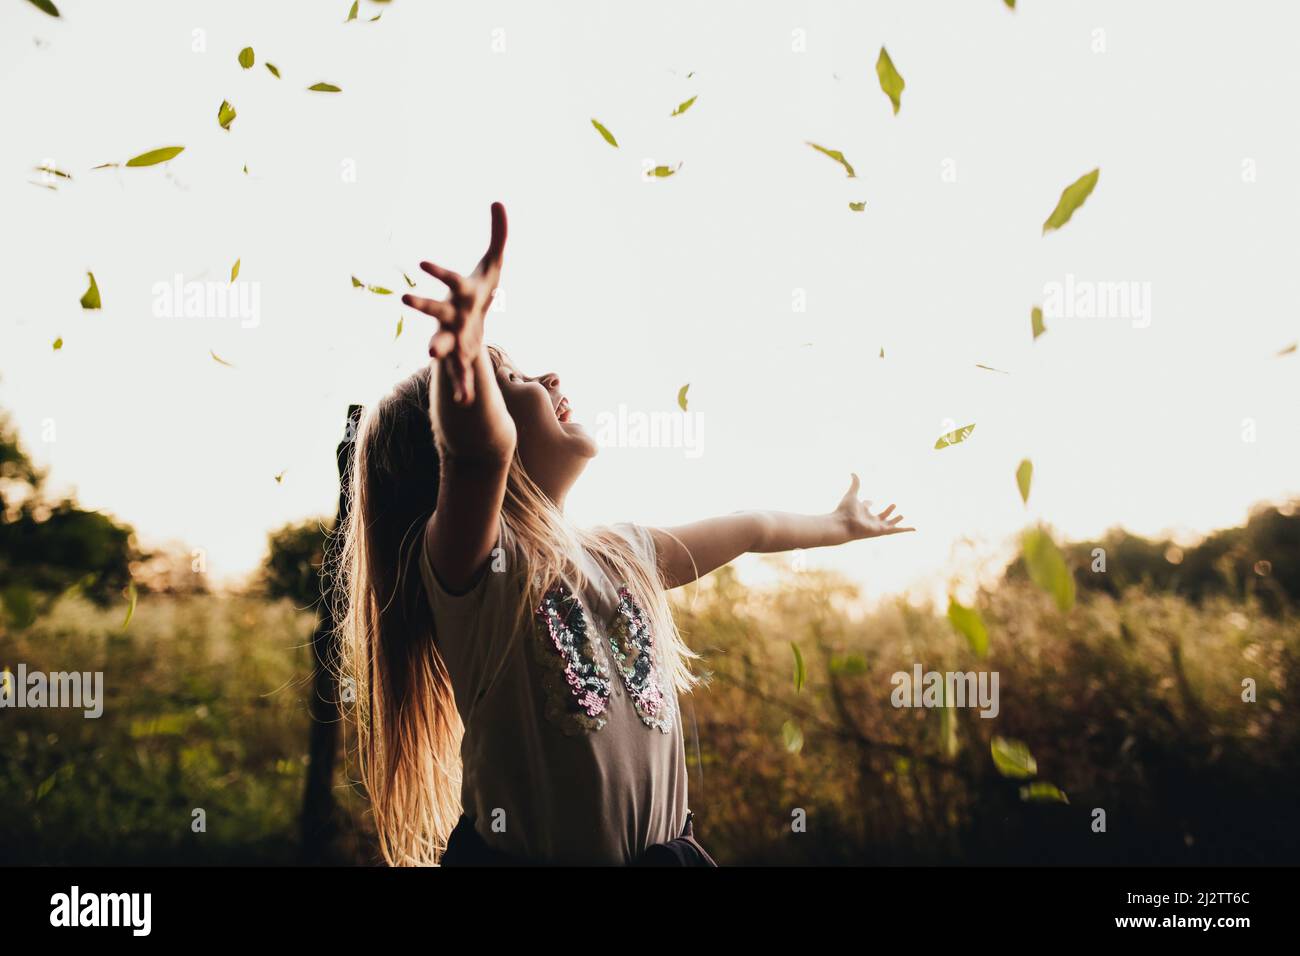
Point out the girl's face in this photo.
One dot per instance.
(553, 446)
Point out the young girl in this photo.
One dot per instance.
(509, 666)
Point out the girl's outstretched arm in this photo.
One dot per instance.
(474, 431)
(693, 550)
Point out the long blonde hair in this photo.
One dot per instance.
(403, 708)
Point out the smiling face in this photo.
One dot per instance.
(553, 447)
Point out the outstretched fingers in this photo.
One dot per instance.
(442, 311)
(497, 246)
(448, 278)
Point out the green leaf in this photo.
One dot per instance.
(379, 290)
(275, 70)
(398, 334)
(91, 299)
(663, 172)
(684, 106)
(850, 665)
(357, 283)
(800, 671)
(990, 368)
(600, 128)
(890, 81)
(858, 206)
(681, 396)
(836, 155)
(410, 283)
(279, 479)
(1024, 475)
(155, 156)
(792, 736)
(51, 171)
(954, 437)
(58, 343)
(1036, 322)
(1047, 567)
(225, 115)
(234, 271)
(45, 6)
(246, 58)
(130, 604)
(325, 88)
(1289, 350)
(352, 14)
(1072, 197)
(969, 624)
(1012, 758)
(1040, 791)
(1011, 4)
(219, 359)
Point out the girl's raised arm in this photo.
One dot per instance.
(474, 431)
(693, 550)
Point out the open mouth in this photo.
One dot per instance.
(563, 411)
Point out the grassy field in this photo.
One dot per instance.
(1131, 706)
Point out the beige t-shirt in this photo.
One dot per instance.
(573, 740)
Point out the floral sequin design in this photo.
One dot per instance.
(577, 682)
(631, 643)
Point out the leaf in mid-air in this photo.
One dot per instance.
(225, 115)
(792, 736)
(681, 396)
(155, 156)
(890, 81)
(882, 351)
(58, 343)
(663, 172)
(279, 479)
(1011, 4)
(684, 106)
(800, 671)
(1012, 758)
(1289, 350)
(410, 283)
(275, 70)
(990, 368)
(357, 283)
(130, 604)
(246, 59)
(352, 14)
(1072, 197)
(858, 206)
(51, 171)
(234, 271)
(398, 334)
(968, 623)
(245, 169)
(1047, 567)
(1024, 475)
(91, 299)
(325, 88)
(600, 128)
(1036, 321)
(219, 359)
(45, 6)
(379, 290)
(1040, 791)
(955, 436)
(836, 155)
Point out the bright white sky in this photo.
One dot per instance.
(630, 288)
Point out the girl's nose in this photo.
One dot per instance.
(551, 380)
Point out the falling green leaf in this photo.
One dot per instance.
(1289, 350)
(990, 368)
(800, 671)
(154, 156)
(858, 206)
(51, 171)
(398, 334)
(279, 479)
(246, 57)
(1011, 4)
(325, 88)
(225, 115)
(1036, 322)
(1040, 791)
(91, 299)
(234, 271)
(882, 351)
(58, 343)
(1047, 567)
(130, 604)
(352, 14)
(410, 283)
(1024, 475)
(375, 17)
(890, 81)
(219, 359)
(1012, 758)
(953, 437)
(684, 106)
(357, 283)
(379, 290)
(600, 128)
(46, 6)
(836, 155)
(681, 396)
(792, 736)
(969, 624)
(275, 70)
(663, 172)
(1072, 197)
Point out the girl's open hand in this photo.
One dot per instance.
(460, 316)
(857, 520)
